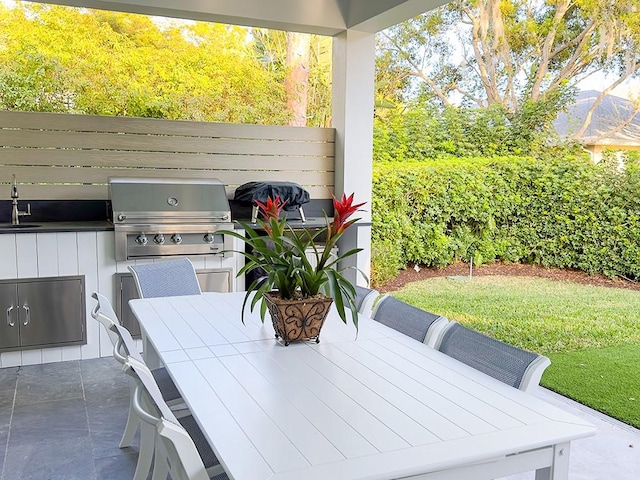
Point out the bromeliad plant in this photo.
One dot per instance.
(281, 258)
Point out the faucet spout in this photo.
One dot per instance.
(15, 212)
(14, 188)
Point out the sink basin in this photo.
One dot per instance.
(21, 225)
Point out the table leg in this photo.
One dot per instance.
(149, 353)
(559, 470)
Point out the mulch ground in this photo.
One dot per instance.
(412, 274)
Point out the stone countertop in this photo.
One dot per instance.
(105, 225)
(54, 227)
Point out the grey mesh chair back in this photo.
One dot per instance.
(511, 365)
(406, 318)
(167, 278)
(365, 298)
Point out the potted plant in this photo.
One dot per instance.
(298, 291)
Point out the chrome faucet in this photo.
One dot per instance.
(15, 213)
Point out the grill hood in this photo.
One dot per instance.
(136, 200)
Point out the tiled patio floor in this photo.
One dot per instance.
(63, 421)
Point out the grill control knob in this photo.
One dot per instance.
(208, 237)
(176, 238)
(159, 239)
(141, 239)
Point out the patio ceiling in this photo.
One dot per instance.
(325, 17)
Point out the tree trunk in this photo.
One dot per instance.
(296, 81)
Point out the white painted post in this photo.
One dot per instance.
(353, 101)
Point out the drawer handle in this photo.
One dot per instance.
(27, 319)
(10, 322)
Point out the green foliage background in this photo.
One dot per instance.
(62, 59)
(564, 212)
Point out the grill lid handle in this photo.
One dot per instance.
(122, 217)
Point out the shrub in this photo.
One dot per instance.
(564, 212)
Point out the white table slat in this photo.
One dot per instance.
(215, 421)
(425, 385)
(226, 320)
(329, 423)
(309, 440)
(276, 449)
(432, 409)
(388, 403)
(450, 371)
(178, 321)
(349, 378)
(200, 323)
(311, 371)
(163, 338)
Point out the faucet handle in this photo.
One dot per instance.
(25, 213)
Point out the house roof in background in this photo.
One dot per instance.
(611, 111)
(325, 17)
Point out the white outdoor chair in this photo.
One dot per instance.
(180, 448)
(123, 347)
(167, 278)
(512, 365)
(365, 298)
(413, 322)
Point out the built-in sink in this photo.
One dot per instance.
(21, 225)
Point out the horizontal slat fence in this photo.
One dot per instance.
(71, 157)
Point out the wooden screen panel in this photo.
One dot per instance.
(60, 156)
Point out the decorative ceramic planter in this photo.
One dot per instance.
(298, 319)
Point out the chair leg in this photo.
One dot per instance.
(145, 455)
(160, 467)
(132, 422)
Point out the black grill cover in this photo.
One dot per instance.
(292, 193)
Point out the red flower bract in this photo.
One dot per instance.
(272, 209)
(343, 209)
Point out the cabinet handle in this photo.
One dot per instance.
(28, 317)
(10, 322)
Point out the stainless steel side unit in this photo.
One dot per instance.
(42, 312)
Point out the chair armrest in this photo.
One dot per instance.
(533, 374)
(434, 333)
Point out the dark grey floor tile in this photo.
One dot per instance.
(5, 418)
(106, 426)
(4, 434)
(104, 382)
(52, 459)
(49, 421)
(111, 392)
(116, 467)
(8, 381)
(49, 382)
(100, 369)
(68, 370)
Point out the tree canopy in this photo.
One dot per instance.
(63, 59)
(525, 56)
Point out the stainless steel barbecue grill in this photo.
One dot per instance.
(169, 217)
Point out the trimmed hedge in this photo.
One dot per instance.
(565, 213)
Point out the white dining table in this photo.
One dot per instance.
(376, 405)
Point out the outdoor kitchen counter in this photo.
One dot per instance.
(55, 227)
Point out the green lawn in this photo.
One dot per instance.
(591, 334)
